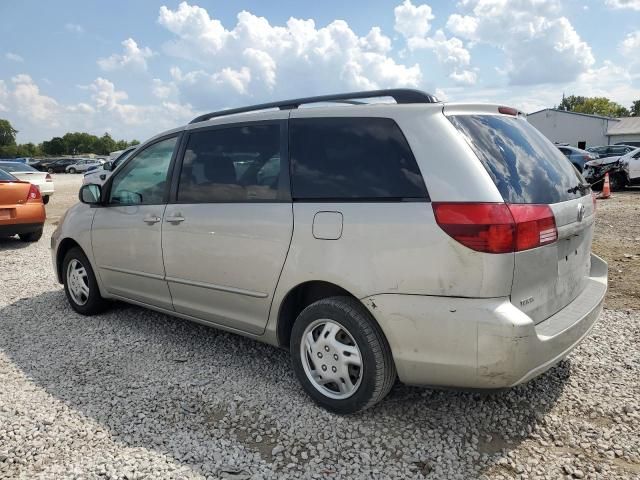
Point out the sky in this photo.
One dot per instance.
(136, 68)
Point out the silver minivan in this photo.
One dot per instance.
(440, 244)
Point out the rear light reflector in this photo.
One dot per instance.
(497, 227)
(48, 178)
(34, 194)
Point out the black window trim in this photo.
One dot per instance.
(425, 199)
(106, 187)
(284, 183)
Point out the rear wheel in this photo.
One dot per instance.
(340, 355)
(50, 170)
(31, 236)
(80, 284)
(72, 170)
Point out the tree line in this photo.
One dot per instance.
(72, 143)
(598, 106)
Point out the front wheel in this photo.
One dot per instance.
(49, 170)
(45, 199)
(616, 182)
(341, 356)
(80, 284)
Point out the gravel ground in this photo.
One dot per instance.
(136, 394)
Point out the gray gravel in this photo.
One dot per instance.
(135, 394)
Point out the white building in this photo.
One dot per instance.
(627, 130)
(578, 129)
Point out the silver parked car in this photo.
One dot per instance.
(441, 244)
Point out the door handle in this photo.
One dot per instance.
(175, 218)
(151, 219)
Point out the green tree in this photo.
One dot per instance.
(105, 144)
(635, 109)
(55, 146)
(7, 133)
(593, 105)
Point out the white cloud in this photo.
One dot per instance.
(106, 108)
(464, 77)
(411, 20)
(630, 46)
(29, 102)
(74, 28)
(540, 45)
(14, 57)
(133, 57)
(255, 59)
(631, 4)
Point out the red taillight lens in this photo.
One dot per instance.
(34, 194)
(508, 111)
(48, 178)
(535, 226)
(497, 227)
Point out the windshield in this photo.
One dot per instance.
(16, 167)
(524, 165)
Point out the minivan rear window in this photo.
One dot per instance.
(524, 165)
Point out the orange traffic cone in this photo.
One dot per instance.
(606, 188)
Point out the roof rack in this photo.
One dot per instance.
(400, 95)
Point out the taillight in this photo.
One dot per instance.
(34, 193)
(48, 178)
(497, 227)
(508, 111)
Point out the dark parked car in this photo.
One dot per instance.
(57, 165)
(605, 151)
(577, 156)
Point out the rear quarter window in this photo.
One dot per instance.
(524, 165)
(353, 159)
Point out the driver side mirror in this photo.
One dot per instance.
(90, 194)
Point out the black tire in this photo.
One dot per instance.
(45, 199)
(378, 371)
(617, 182)
(49, 170)
(72, 170)
(94, 303)
(31, 236)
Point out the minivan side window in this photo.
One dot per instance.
(352, 159)
(232, 164)
(143, 180)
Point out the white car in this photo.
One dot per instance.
(82, 165)
(99, 175)
(26, 173)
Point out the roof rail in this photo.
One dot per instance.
(400, 95)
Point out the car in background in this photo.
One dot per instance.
(55, 166)
(630, 144)
(22, 212)
(623, 171)
(27, 173)
(82, 165)
(604, 151)
(99, 174)
(576, 156)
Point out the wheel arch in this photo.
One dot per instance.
(300, 297)
(65, 245)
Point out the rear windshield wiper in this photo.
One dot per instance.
(581, 187)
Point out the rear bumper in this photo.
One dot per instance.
(18, 228)
(482, 343)
(46, 190)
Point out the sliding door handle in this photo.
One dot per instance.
(151, 219)
(175, 219)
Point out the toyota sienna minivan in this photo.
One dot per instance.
(440, 244)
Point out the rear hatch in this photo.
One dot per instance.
(528, 169)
